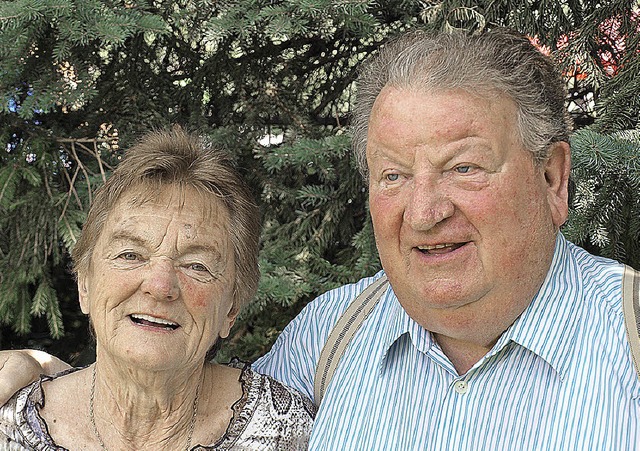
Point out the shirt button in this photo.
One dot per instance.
(461, 387)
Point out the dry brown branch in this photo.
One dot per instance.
(84, 171)
(13, 171)
(72, 191)
(46, 185)
(83, 144)
(84, 140)
(95, 153)
(24, 250)
(66, 222)
(35, 243)
(95, 149)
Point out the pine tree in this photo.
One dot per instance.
(83, 79)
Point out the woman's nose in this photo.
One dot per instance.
(162, 280)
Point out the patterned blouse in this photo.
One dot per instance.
(268, 416)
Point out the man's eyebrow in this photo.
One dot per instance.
(390, 156)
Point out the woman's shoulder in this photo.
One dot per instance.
(21, 426)
(284, 400)
(13, 415)
(267, 412)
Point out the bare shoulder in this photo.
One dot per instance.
(66, 403)
(66, 390)
(224, 372)
(221, 389)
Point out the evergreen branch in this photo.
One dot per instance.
(54, 317)
(43, 296)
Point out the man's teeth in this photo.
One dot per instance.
(436, 246)
(138, 317)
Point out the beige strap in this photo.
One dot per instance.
(342, 333)
(631, 309)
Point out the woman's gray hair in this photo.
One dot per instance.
(496, 62)
(175, 157)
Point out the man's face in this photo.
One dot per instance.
(464, 220)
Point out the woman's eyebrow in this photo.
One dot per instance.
(211, 250)
(123, 235)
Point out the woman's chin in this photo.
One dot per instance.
(150, 357)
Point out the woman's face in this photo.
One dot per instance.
(160, 284)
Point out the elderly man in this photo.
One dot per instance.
(495, 332)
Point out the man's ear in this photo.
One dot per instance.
(83, 294)
(229, 321)
(556, 172)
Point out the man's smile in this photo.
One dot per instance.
(438, 249)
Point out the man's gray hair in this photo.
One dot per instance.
(496, 62)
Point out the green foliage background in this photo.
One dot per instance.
(82, 79)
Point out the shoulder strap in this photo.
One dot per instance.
(342, 333)
(631, 310)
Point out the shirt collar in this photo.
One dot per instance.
(400, 324)
(547, 327)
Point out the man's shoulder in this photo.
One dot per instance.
(600, 277)
(294, 356)
(590, 287)
(332, 304)
(593, 263)
(603, 319)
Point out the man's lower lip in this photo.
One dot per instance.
(441, 251)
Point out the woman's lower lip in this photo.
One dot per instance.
(150, 326)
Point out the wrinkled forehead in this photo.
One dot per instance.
(207, 205)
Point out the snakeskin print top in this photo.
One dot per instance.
(268, 416)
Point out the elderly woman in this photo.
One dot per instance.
(167, 258)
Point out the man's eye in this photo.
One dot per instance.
(462, 169)
(392, 177)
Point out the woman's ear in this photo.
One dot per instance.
(229, 321)
(556, 172)
(83, 294)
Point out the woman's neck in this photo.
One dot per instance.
(144, 409)
(140, 415)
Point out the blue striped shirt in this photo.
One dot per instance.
(560, 378)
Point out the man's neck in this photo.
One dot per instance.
(462, 354)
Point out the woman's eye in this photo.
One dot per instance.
(199, 267)
(129, 256)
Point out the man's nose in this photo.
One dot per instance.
(428, 204)
(162, 280)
